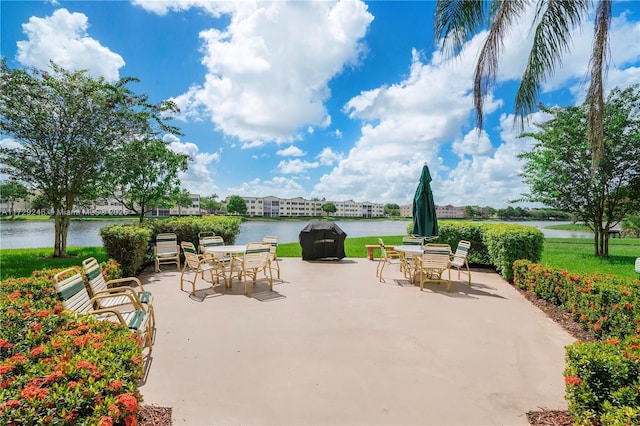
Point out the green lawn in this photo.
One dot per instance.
(572, 254)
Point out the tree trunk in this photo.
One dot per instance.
(61, 230)
(601, 242)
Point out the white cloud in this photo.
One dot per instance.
(199, 178)
(291, 151)
(63, 38)
(296, 166)
(278, 187)
(328, 157)
(268, 71)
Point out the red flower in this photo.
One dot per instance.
(115, 385)
(130, 420)
(612, 341)
(43, 313)
(625, 292)
(106, 421)
(129, 402)
(12, 403)
(36, 326)
(34, 392)
(87, 365)
(5, 344)
(37, 351)
(17, 359)
(57, 309)
(113, 410)
(573, 380)
(596, 327)
(4, 369)
(13, 296)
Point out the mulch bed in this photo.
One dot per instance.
(151, 415)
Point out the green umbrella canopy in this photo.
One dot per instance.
(425, 222)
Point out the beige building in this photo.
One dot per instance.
(442, 212)
(276, 207)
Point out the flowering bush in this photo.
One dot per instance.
(56, 368)
(602, 378)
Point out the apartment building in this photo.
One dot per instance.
(280, 207)
(442, 212)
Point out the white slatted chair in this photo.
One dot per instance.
(75, 297)
(385, 259)
(273, 259)
(98, 285)
(254, 260)
(201, 236)
(166, 250)
(198, 264)
(407, 265)
(432, 264)
(459, 258)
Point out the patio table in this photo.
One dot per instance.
(227, 250)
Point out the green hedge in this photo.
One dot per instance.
(187, 228)
(498, 245)
(602, 378)
(127, 244)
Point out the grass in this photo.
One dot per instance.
(572, 254)
(21, 262)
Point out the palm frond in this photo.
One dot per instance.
(551, 40)
(598, 66)
(457, 21)
(504, 14)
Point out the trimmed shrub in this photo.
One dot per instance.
(127, 244)
(187, 228)
(452, 232)
(508, 243)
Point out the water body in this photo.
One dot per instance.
(27, 234)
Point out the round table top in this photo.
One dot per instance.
(234, 248)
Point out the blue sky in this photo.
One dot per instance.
(331, 99)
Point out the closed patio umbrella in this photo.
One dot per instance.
(425, 222)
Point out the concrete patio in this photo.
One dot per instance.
(333, 346)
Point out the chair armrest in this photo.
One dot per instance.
(113, 312)
(127, 280)
(102, 295)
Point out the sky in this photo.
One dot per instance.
(341, 100)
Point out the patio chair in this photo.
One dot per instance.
(254, 260)
(75, 297)
(98, 285)
(385, 259)
(202, 235)
(198, 264)
(273, 259)
(459, 258)
(166, 250)
(210, 241)
(432, 264)
(407, 264)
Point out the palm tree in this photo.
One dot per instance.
(457, 21)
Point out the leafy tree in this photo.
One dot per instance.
(210, 204)
(182, 199)
(470, 211)
(489, 211)
(558, 173)
(40, 202)
(329, 208)
(13, 191)
(66, 124)
(236, 204)
(149, 177)
(392, 209)
(459, 20)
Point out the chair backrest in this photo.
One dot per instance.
(191, 257)
(383, 249)
(166, 243)
(94, 275)
(210, 242)
(461, 253)
(256, 255)
(273, 241)
(70, 287)
(436, 256)
(411, 240)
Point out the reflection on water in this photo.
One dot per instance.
(25, 234)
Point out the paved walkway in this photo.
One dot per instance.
(333, 346)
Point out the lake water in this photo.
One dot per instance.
(26, 234)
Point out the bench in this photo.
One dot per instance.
(371, 247)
